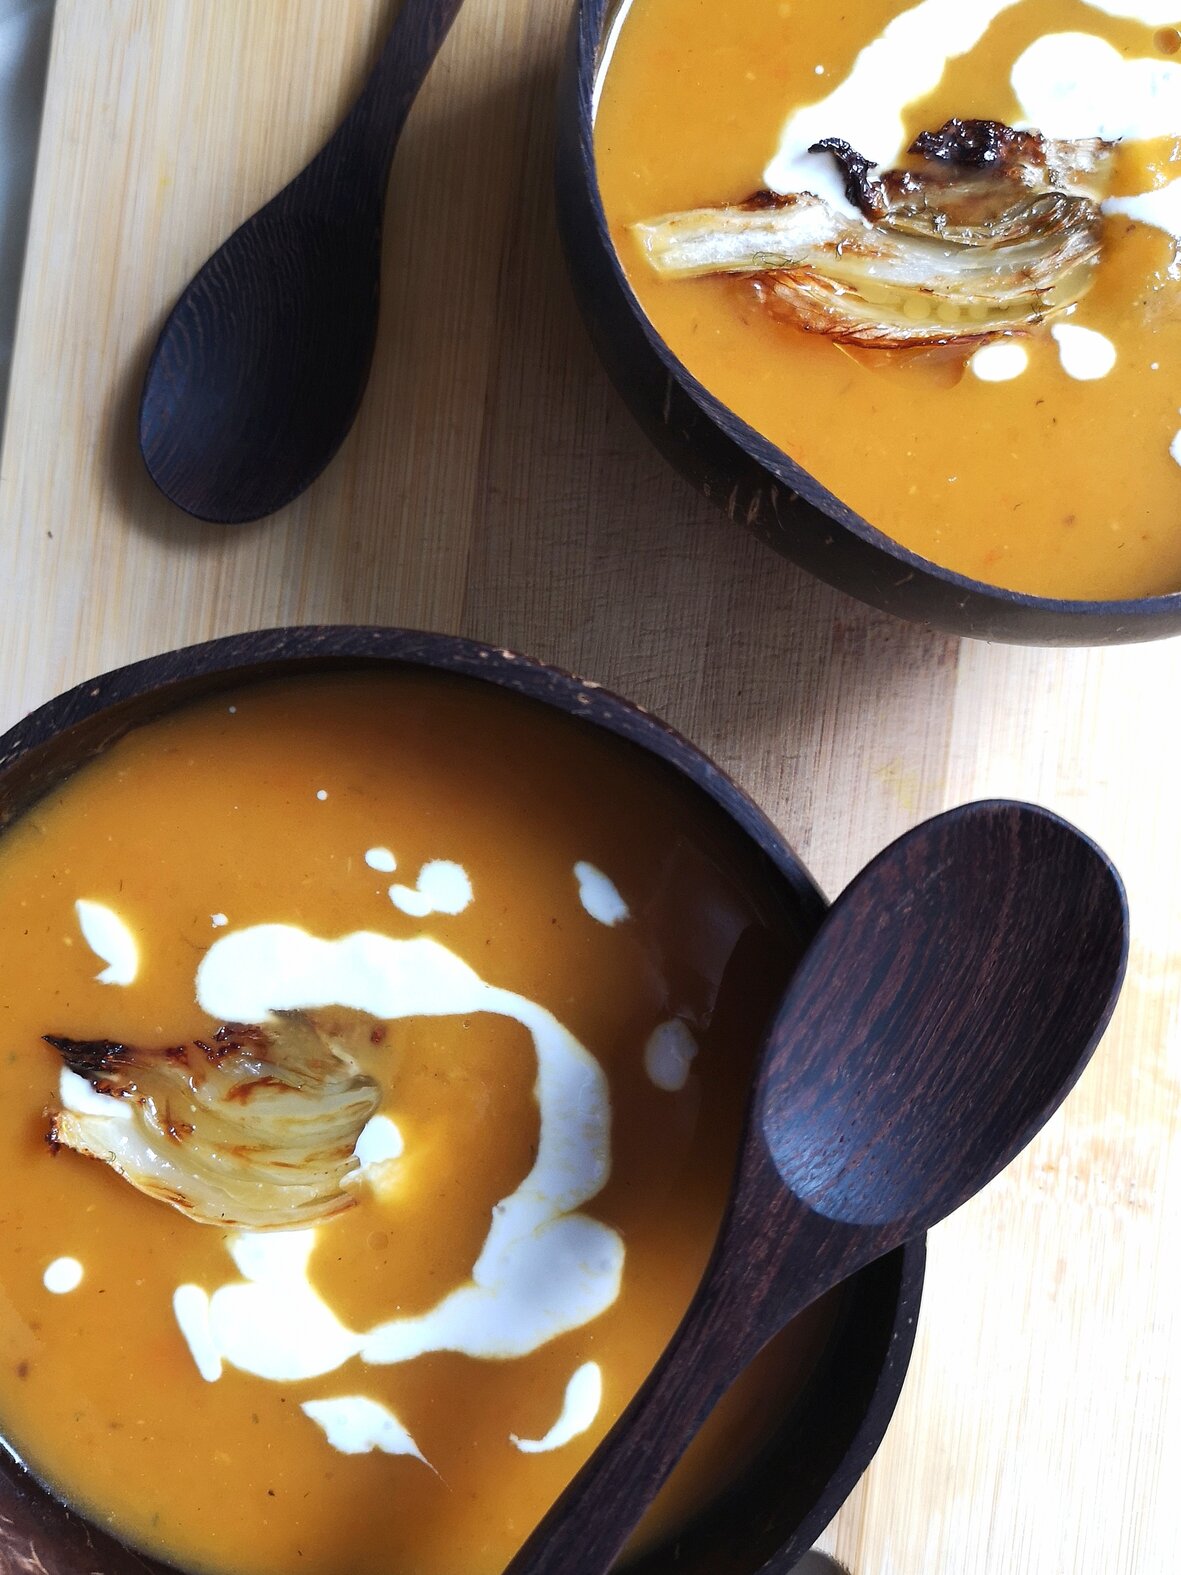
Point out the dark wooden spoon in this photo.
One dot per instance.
(947, 1005)
(259, 371)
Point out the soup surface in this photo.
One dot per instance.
(542, 960)
(1052, 467)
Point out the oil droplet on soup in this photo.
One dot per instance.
(383, 1389)
(1055, 475)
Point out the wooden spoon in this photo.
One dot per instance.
(948, 1003)
(259, 371)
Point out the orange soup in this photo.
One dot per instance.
(391, 1037)
(974, 337)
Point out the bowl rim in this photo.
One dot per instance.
(233, 660)
(344, 643)
(592, 22)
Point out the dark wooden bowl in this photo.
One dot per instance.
(757, 484)
(766, 1520)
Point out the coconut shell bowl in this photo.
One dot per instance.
(759, 486)
(824, 1440)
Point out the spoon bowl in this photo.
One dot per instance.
(946, 1007)
(238, 418)
(259, 371)
(958, 989)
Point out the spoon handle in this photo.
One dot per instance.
(373, 125)
(744, 1299)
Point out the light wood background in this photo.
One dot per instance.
(495, 486)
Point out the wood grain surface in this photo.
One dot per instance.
(494, 486)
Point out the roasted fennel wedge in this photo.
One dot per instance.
(994, 231)
(254, 1127)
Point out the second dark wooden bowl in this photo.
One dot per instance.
(756, 483)
(763, 1523)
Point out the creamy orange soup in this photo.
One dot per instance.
(1062, 478)
(544, 961)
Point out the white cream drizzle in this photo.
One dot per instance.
(356, 1425)
(190, 1308)
(109, 938)
(272, 1323)
(1175, 449)
(544, 1268)
(381, 859)
(218, 921)
(442, 887)
(62, 1276)
(599, 895)
(580, 1407)
(905, 62)
(379, 1144)
(526, 1290)
(378, 1150)
(77, 1094)
(1160, 208)
(1068, 84)
(1085, 353)
(1000, 361)
(669, 1053)
(1077, 85)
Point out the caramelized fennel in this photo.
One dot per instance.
(994, 232)
(253, 1128)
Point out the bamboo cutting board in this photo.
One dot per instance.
(494, 486)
